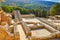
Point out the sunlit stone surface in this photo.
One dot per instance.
(40, 33)
(29, 28)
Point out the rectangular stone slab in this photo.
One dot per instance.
(30, 20)
(40, 33)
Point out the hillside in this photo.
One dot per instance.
(31, 4)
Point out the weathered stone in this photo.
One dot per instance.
(3, 17)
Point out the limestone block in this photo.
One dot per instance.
(17, 36)
(3, 23)
(36, 38)
(11, 29)
(3, 17)
(2, 34)
(8, 38)
(53, 35)
(28, 34)
(58, 35)
(9, 20)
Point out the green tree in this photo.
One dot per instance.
(36, 11)
(22, 10)
(44, 13)
(55, 9)
(7, 8)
